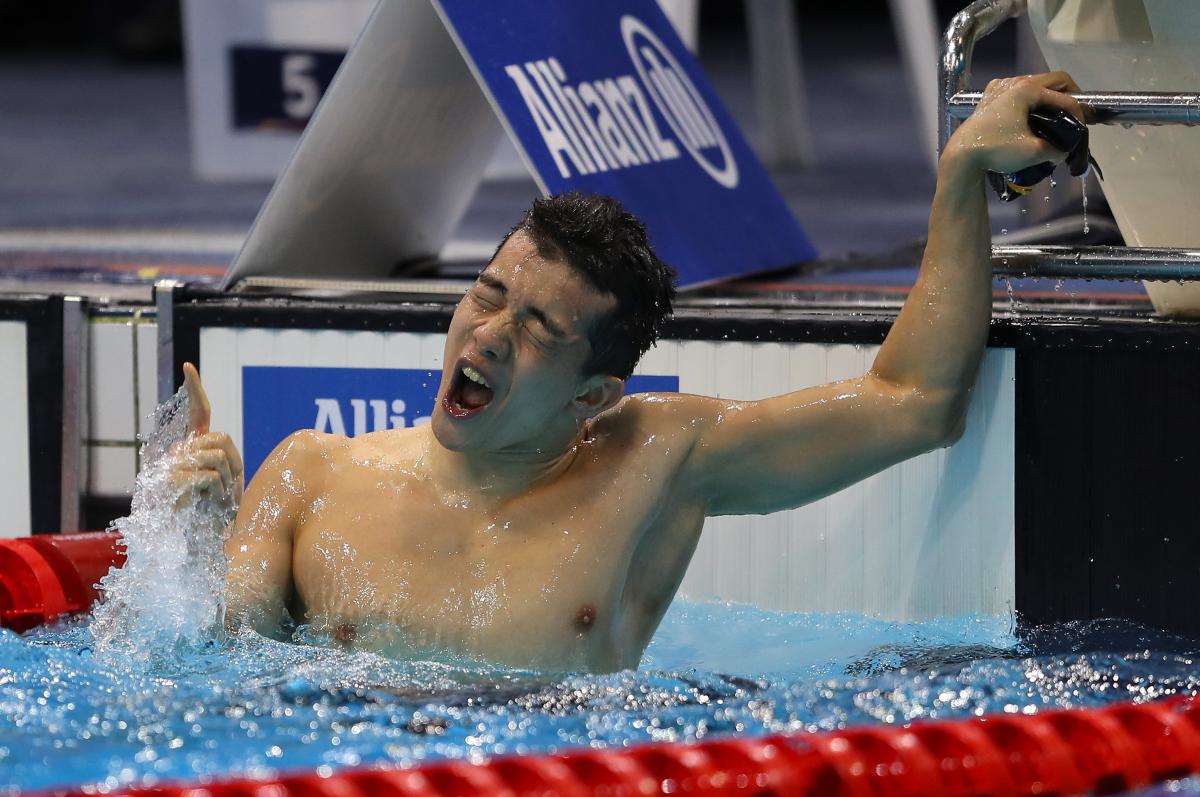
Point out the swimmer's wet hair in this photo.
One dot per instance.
(597, 237)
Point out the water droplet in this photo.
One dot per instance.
(1083, 186)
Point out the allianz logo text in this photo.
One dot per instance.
(607, 124)
(330, 418)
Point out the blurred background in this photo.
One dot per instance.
(97, 136)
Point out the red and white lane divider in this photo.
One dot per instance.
(1064, 752)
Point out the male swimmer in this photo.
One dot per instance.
(542, 519)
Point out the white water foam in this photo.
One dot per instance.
(169, 596)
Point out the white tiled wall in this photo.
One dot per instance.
(147, 374)
(122, 368)
(933, 535)
(15, 517)
(930, 536)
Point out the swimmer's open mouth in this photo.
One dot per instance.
(469, 392)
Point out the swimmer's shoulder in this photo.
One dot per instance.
(293, 472)
(386, 444)
(304, 454)
(311, 462)
(307, 446)
(388, 451)
(645, 418)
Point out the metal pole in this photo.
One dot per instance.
(778, 75)
(916, 27)
(958, 45)
(74, 412)
(1111, 108)
(1097, 262)
(164, 305)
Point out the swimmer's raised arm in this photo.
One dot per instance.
(762, 456)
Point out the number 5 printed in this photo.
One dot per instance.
(301, 91)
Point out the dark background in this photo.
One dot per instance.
(149, 30)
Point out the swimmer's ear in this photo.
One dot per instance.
(600, 392)
(199, 412)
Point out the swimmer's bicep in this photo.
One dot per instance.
(258, 580)
(259, 544)
(756, 457)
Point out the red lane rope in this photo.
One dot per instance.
(48, 576)
(1062, 752)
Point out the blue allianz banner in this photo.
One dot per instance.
(604, 97)
(277, 401)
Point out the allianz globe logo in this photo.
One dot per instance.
(606, 124)
(678, 100)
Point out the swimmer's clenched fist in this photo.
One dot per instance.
(206, 462)
(997, 138)
(543, 520)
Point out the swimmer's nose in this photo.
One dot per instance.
(494, 338)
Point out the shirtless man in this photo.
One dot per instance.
(541, 519)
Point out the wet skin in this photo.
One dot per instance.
(533, 532)
(551, 528)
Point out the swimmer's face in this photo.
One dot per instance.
(521, 330)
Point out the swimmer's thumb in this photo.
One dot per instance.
(199, 412)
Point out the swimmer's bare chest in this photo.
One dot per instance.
(387, 560)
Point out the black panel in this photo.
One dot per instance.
(44, 363)
(1107, 478)
(277, 89)
(98, 511)
(705, 319)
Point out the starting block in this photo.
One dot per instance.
(597, 97)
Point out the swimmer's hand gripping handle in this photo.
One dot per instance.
(1063, 132)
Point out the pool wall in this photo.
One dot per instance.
(932, 536)
(1083, 424)
(1068, 498)
(32, 421)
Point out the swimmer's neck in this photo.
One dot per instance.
(503, 473)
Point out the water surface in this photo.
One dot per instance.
(76, 715)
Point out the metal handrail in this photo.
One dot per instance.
(958, 46)
(981, 18)
(955, 103)
(1098, 262)
(1109, 107)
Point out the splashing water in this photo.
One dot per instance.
(169, 596)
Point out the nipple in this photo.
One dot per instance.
(585, 617)
(346, 633)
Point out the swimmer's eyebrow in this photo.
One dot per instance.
(487, 279)
(554, 329)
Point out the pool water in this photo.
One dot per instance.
(142, 692)
(74, 715)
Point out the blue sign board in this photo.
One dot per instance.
(277, 401)
(603, 97)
